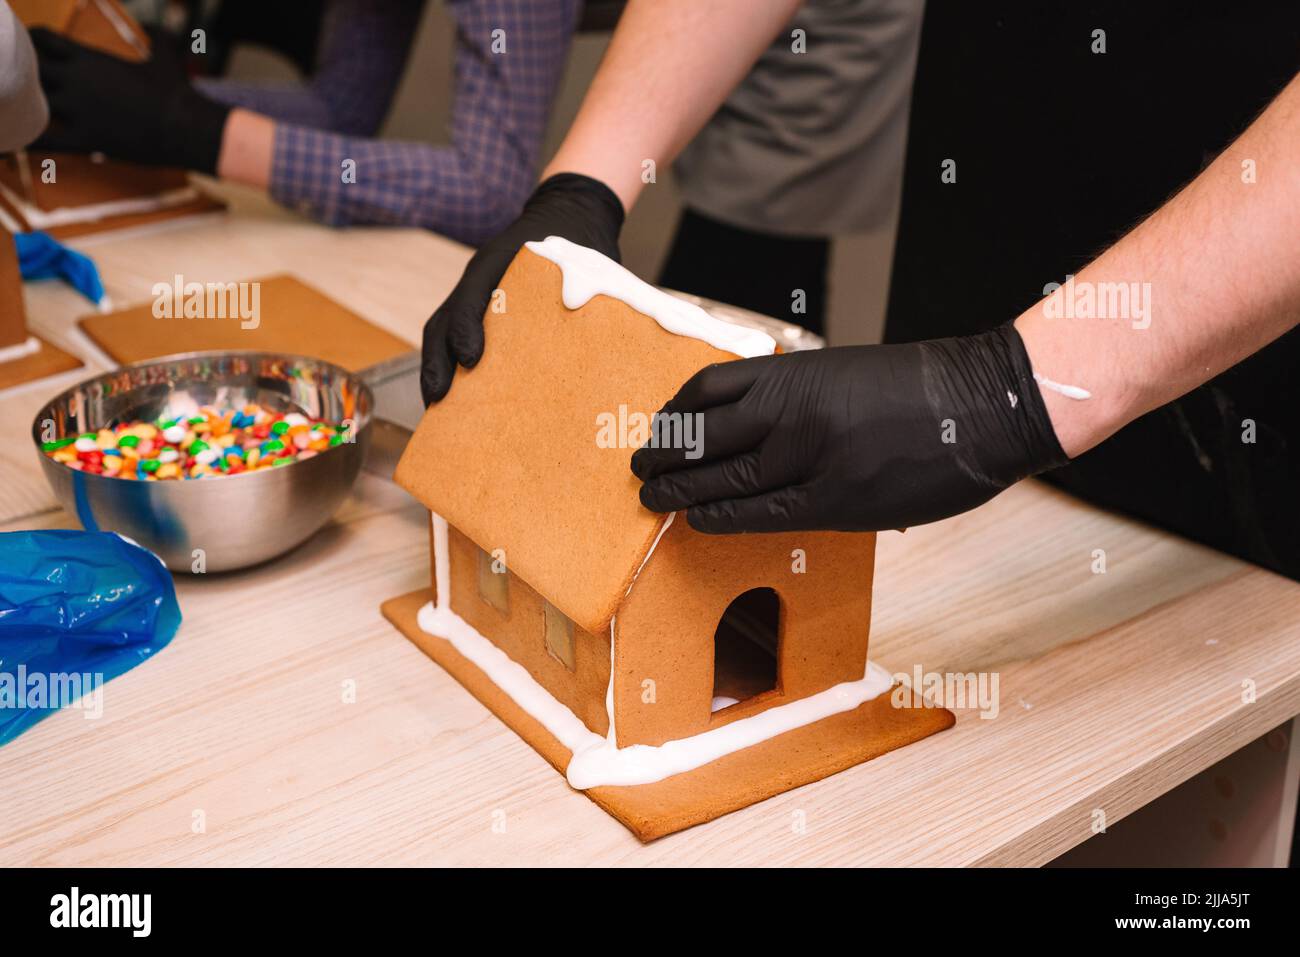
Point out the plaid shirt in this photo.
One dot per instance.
(469, 190)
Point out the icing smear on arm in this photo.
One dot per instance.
(587, 273)
(1069, 391)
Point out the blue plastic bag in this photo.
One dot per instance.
(41, 256)
(77, 609)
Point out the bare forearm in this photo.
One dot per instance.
(669, 66)
(247, 149)
(1208, 279)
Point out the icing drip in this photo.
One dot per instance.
(1069, 391)
(587, 273)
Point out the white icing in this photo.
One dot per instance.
(10, 224)
(609, 691)
(722, 701)
(1069, 391)
(598, 761)
(510, 676)
(587, 273)
(21, 350)
(441, 563)
(38, 218)
(644, 764)
(123, 28)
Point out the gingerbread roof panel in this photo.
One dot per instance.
(102, 24)
(529, 452)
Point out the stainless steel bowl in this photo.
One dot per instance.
(223, 522)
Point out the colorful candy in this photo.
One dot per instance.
(209, 443)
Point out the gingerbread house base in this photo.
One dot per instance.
(41, 362)
(24, 357)
(745, 777)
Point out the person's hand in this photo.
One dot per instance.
(140, 112)
(578, 208)
(862, 438)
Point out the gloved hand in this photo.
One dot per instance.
(862, 438)
(576, 207)
(140, 112)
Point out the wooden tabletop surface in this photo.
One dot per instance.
(288, 723)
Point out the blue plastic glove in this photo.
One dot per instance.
(41, 256)
(77, 609)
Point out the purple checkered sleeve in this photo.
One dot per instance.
(509, 59)
(363, 50)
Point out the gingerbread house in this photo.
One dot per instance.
(24, 356)
(69, 194)
(671, 675)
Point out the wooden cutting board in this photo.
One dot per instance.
(291, 317)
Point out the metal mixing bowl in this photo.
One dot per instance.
(235, 520)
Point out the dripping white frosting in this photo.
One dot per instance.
(587, 273)
(1069, 391)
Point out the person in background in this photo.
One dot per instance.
(294, 142)
(1036, 200)
(669, 66)
(782, 137)
(1159, 360)
(234, 23)
(23, 111)
(985, 393)
(809, 146)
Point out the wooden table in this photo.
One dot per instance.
(288, 723)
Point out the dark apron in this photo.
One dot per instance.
(1059, 151)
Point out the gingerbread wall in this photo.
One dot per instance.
(83, 180)
(664, 631)
(570, 518)
(13, 315)
(93, 23)
(520, 633)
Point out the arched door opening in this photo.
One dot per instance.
(745, 648)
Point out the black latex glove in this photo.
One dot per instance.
(852, 439)
(578, 208)
(140, 112)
